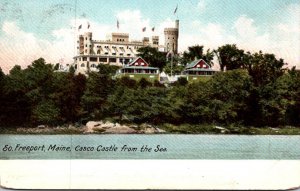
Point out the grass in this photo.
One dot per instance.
(138, 76)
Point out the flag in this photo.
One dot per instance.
(153, 28)
(175, 10)
(118, 24)
(80, 26)
(88, 25)
(144, 29)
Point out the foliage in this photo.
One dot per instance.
(98, 87)
(255, 90)
(230, 57)
(154, 57)
(196, 52)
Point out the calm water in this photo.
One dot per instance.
(170, 147)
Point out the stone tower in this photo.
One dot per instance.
(171, 38)
(85, 45)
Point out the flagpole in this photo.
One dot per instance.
(75, 28)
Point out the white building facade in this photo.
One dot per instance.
(118, 50)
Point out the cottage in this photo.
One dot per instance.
(197, 70)
(137, 69)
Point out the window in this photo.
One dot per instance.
(93, 59)
(112, 60)
(114, 53)
(84, 59)
(128, 54)
(82, 65)
(102, 59)
(93, 66)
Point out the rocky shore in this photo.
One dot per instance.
(92, 127)
(116, 128)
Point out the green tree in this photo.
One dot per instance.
(230, 57)
(94, 99)
(265, 68)
(197, 52)
(222, 99)
(69, 89)
(154, 57)
(143, 83)
(141, 105)
(46, 112)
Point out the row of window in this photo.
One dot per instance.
(120, 40)
(105, 60)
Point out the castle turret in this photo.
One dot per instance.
(88, 45)
(171, 38)
(155, 42)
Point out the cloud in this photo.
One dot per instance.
(201, 5)
(245, 27)
(21, 48)
(282, 38)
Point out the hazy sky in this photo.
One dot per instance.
(34, 28)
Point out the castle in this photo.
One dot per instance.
(118, 50)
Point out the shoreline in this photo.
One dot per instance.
(103, 128)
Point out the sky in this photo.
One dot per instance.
(33, 28)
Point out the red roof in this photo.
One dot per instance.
(139, 62)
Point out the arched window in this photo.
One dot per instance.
(82, 65)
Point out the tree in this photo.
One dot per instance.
(196, 52)
(230, 57)
(141, 105)
(222, 99)
(265, 68)
(46, 112)
(69, 89)
(143, 83)
(94, 99)
(15, 104)
(154, 57)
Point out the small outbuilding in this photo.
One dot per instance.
(137, 69)
(197, 70)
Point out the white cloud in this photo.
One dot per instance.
(245, 27)
(201, 5)
(20, 47)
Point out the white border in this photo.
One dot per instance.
(150, 174)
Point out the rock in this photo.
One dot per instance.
(150, 130)
(90, 125)
(160, 130)
(41, 126)
(107, 125)
(120, 130)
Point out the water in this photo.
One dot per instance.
(170, 147)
